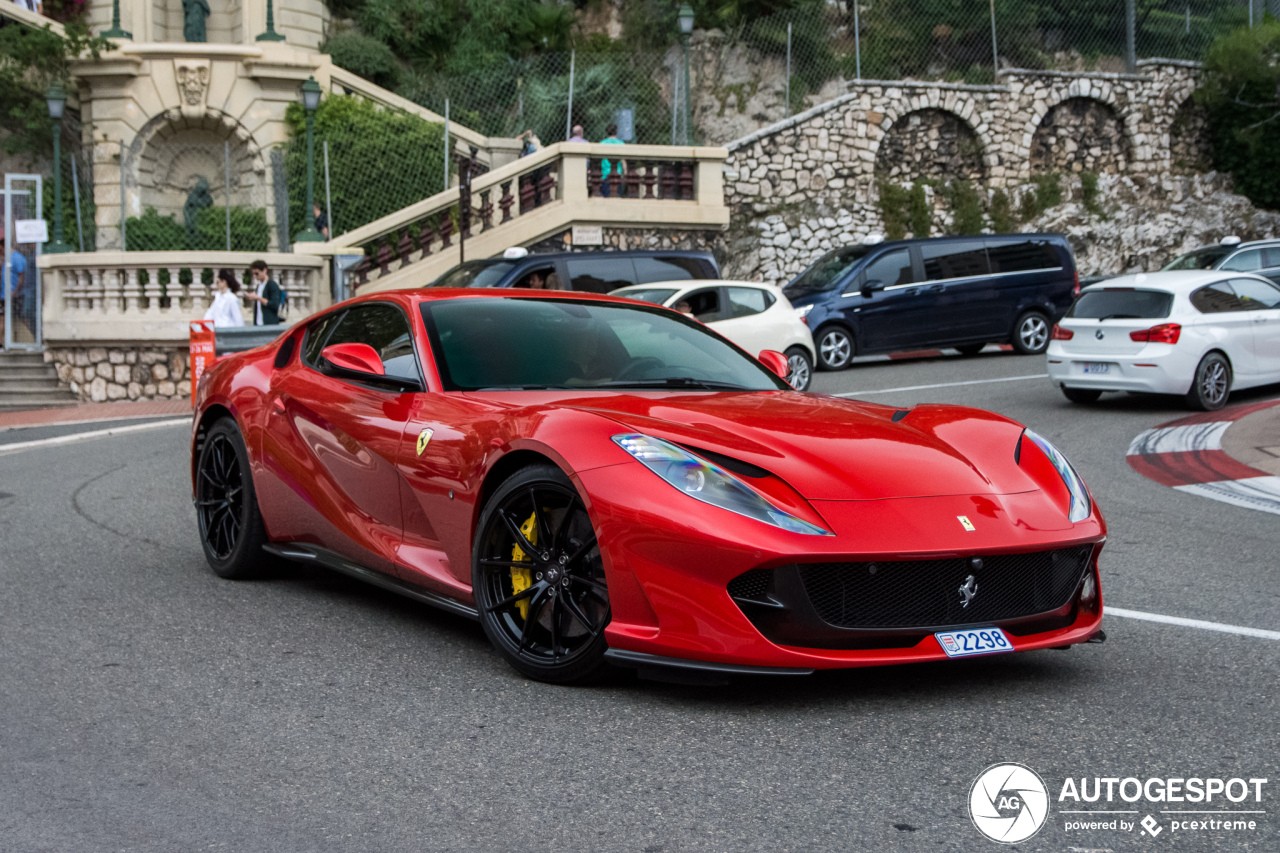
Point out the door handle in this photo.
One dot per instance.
(937, 288)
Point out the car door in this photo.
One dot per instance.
(962, 293)
(1271, 263)
(600, 274)
(1227, 325)
(888, 301)
(747, 323)
(1261, 301)
(334, 439)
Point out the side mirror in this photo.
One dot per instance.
(361, 358)
(874, 284)
(776, 362)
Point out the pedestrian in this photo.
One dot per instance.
(14, 276)
(268, 296)
(225, 312)
(578, 135)
(529, 143)
(322, 221)
(607, 168)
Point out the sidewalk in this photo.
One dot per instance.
(95, 412)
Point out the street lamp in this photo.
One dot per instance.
(57, 100)
(116, 32)
(310, 100)
(270, 34)
(685, 16)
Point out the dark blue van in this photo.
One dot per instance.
(961, 292)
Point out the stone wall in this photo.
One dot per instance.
(648, 239)
(126, 372)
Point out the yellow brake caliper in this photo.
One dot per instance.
(522, 578)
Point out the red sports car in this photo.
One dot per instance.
(605, 481)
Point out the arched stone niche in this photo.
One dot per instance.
(1190, 146)
(1080, 135)
(930, 143)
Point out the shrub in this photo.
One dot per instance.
(921, 211)
(966, 208)
(1089, 193)
(152, 232)
(1241, 93)
(249, 229)
(1002, 221)
(894, 202)
(364, 55)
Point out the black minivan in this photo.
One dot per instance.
(593, 272)
(961, 292)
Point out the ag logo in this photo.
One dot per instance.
(1008, 803)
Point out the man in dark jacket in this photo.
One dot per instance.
(267, 295)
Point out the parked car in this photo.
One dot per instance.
(754, 316)
(1260, 257)
(962, 292)
(1199, 334)
(592, 272)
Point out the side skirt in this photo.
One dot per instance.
(306, 553)
(685, 671)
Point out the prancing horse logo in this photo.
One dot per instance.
(968, 590)
(423, 438)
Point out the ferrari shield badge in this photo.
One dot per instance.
(424, 438)
(964, 519)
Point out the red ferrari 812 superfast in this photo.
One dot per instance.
(600, 481)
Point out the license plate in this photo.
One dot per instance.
(1097, 367)
(974, 641)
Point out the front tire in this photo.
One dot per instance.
(1211, 387)
(231, 529)
(1031, 333)
(539, 580)
(835, 348)
(1081, 395)
(801, 375)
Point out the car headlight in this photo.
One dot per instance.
(803, 311)
(703, 481)
(1081, 506)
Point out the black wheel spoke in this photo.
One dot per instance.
(576, 612)
(555, 624)
(540, 521)
(507, 564)
(521, 539)
(582, 549)
(591, 584)
(531, 616)
(563, 527)
(511, 600)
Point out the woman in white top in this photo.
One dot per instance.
(225, 310)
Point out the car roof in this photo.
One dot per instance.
(1231, 247)
(1176, 281)
(689, 283)
(917, 241)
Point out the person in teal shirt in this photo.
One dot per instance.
(606, 168)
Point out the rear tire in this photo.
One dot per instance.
(801, 375)
(1211, 387)
(1081, 395)
(1031, 333)
(231, 529)
(836, 348)
(538, 578)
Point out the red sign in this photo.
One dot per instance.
(202, 352)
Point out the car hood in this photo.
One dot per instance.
(828, 448)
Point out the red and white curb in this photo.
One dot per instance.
(1187, 455)
(907, 355)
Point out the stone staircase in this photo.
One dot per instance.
(26, 382)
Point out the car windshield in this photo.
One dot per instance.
(1120, 304)
(1200, 259)
(827, 272)
(656, 295)
(529, 343)
(474, 274)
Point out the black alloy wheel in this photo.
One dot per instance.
(538, 577)
(1211, 387)
(1031, 333)
(231, 529)
(835, 348)
(800, 375)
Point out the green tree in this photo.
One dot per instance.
(379, 161)
(364, 55)
(1241, 93)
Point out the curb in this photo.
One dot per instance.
(1186, 454)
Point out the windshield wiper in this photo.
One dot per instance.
(673, 382)
(1119, 317)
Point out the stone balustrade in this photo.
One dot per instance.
(150, 296)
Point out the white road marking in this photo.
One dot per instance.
(1191, 623)
(940, 385)
(1260, 493)
(19, 446)
(1179, 439)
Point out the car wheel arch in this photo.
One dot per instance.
(507, 466)
(212, 413)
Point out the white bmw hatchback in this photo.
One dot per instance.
(753, 315)
(1199, 334)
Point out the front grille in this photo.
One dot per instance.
(909, 594)
(753, 585)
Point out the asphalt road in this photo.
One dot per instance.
(147, 705)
